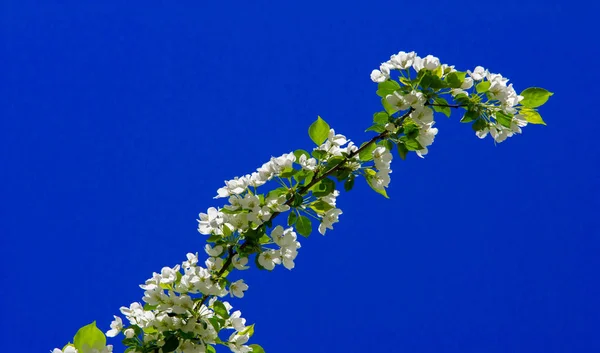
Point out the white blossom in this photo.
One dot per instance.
(382, 74)
(478, 74)
(430, 62)
(268, 259)
(115, 327)
(214, 252)
(328, 219)
(210, 222)
(237, 288)
(402, 60)
(240, 262)
(129, 333)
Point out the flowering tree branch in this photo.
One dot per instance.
(184, 311)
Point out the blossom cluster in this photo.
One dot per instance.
(175, 302)
(492, 104)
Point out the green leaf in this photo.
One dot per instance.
(349, 183)
(149, 307)
(413, 145)
(390, 109)
(432, 81)
(171, 344)
(210, 349)
(288, 172)
(264, 239)
(535, 97)
(292, 218)
(483, 86)
(220, 309)
(332, 162)
(298, 153)
(318, 131)
(320, 206)
(376, 127)
(402, 151)
(319, 154)
(342, 174)
(304, 226)
(411, 130)
(381, 118)
(226, 231)
(89, 337)
(249, 330)
(297, 201)
(445, 110)
(387, 87)
(367, 154)
(469, 116)
(532, 116)
(256, 348)
(479, 125)
(386, 143)
(503, 119)
(323, 187)
(456, 79)
(370, 178)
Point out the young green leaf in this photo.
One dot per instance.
(456, 79)
(442, 106)
(320, 206)
(532, 116)
(298, 153)
(413, 145)
(483, 86)
(220, 309)
(387, 87)
(390, 109)
(367, 154)
(386, 143)
(381, 118)
(503, 119)
(535, 97)
(323, 187)
(318, 131)
(372, 185)
(304, 226)
(89, 337)
(257, 349)
(469, 116)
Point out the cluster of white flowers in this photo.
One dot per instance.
(382, 159)
(286, 239)
(329, 217)
(260, 177)
(170, 304)
(501, 97)
(414, 100)
(507, 99)
(404, 61)
(243, 212)
(500, 132)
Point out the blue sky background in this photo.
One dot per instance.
(119, 122)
